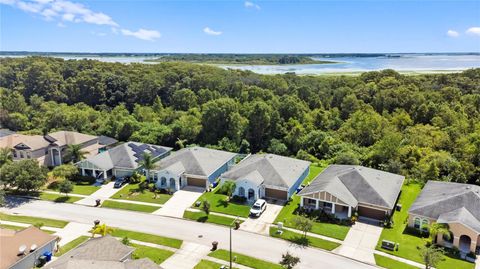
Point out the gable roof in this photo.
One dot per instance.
(62, 138)
(269, 170)
(21, 141)
(449, 202)
(196, 160)
(127, 155)
(105, 248)
(10, 241)
(5, 132)
(106, 140)
(355, 184)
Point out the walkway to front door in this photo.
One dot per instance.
(181, 200)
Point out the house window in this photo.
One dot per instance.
(15, 154)
(28, 155)
(163, 181)
(416, 223)
(46, 151)
(311, 202)
(21, 154)
(425, 225)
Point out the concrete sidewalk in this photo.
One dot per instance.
(73, 230)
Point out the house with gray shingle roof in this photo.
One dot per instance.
(267, 176)
(455, 204)
(342, 189)
(193, 166)
(122, 160)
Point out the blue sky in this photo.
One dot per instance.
(240, 26)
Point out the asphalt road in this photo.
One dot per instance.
(251, 244)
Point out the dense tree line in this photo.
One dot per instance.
(423, 126)
(257, 59)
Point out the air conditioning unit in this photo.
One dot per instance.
(21, 250)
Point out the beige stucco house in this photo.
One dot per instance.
(343, 189)
(455, 204)
(49, 150)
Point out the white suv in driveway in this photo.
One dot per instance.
(258, 207)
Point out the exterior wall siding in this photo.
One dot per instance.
(220, 170)
(299, 181)
(29, 261)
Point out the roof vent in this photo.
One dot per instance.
(468, 187)
(33, 248)
(21, 250)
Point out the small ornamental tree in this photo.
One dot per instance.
(65, 186)
(206, 207)
(289, 261)
(303, 224)
(431, 256)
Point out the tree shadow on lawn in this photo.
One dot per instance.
(222, 202)
(202, 219)
(299, 241)
(61, 199)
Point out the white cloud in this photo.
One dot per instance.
(452, 33)
(60, 24)
(68, 17)
(143, 34)
(209, 31)
(473, 31)
(249, 4)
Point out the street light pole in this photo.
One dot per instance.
(231, 241)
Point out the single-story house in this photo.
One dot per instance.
(342, 189)
(267, 176)
(193, 166)
(101, 253)
(455, 204)
(121, 160)
(22, 249)
(50, 149)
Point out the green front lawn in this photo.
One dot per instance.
(155, 254)
(298, 238)
(71, 245)
(218, 203)
(129, 206)
(410, 243)
(84, 188)
(59, 198)
(202, 217)
(206, 264)
(244, 260)
(33, 220)
(134, 193)
(391, 263)
(149, 238)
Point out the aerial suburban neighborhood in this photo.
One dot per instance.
(247, 134)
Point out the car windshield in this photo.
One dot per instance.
(256, 207)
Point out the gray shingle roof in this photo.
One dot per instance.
(355, 184)
(449, 202)
(269, 170)
(127, 155)
(106, 140)
(196, 160)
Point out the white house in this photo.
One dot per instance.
(194, 166)
(267, 176)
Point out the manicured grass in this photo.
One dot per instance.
(71, 245)
(218, 203)
(298, 238)
(12, 227)
(288, 213)
(33, 220)
(134, 193)
(391, 263)
(244, 260)
(206, 264)
(409, 243)
(59, 198)
(128, 206)
(202, 217)
(85, 188)
(149, 238)
(155, 254)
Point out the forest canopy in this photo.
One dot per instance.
(422, 126)
(255, 59)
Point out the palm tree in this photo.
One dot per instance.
(5, 156)
(147, 164)
(75, 153)
(101, 229)
(438, 228)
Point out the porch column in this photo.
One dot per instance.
(177, 184)
(333, 208)
(51, 155)
(349, 211)
(456, 241)
(83, 171)
(94, 173)
(104, 174)
(316, 205)
(473, 246)
(301, 201)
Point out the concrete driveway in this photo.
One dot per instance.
(360, 242)
(180, 201)
(261, 224)
(105, 192)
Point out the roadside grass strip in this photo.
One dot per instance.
(155, 254)
(389, 263)
(206, 264)
(133, 192)
(244, 260)
(149, 238)
(211, 218)
(299, 239)
(129, 206)
(33, 220)
(84, 188)
(71, 245)
(59, 198)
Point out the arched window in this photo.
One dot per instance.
(241, 191)
(164, 181)
(416, 223)
(425, 225)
